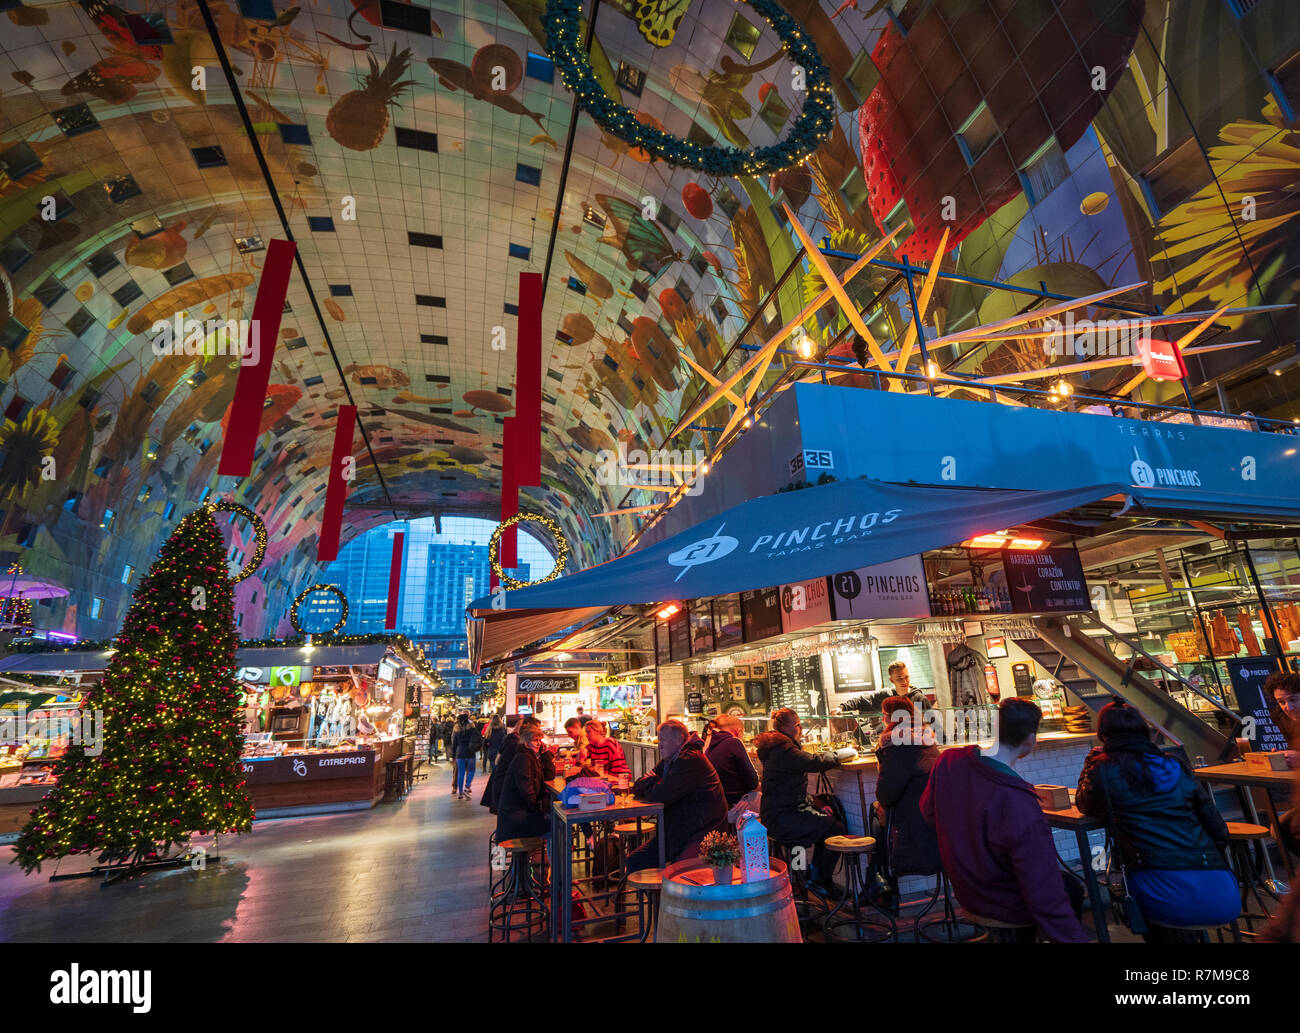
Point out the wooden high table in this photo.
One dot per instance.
(1074, 820)
(563, 819)
(1243, 776)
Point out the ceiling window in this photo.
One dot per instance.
(976, 133)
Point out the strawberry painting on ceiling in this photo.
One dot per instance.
(979, 101)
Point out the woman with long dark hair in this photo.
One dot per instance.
(1171, 839)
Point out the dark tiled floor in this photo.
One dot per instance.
(410, 871)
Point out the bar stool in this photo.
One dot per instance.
(950, 924)
(647, 883)
(1246, 842)
(627, 837)
(996, 931)
(853, 849)
(496, 873)
(521, 906)
(1193, 933)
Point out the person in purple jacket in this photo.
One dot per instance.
(995, 843)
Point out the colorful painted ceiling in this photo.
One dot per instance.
(150, 151)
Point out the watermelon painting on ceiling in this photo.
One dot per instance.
(415, 154)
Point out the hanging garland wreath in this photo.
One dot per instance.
(562, 22)
(293, 611)
(494, 549)
(259, 531)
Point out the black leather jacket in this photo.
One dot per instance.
(785, 806)
(1174, 827)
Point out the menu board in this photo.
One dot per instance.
(701, 627)
(1248, 675)
(679, 636)
(797, 684)
(760, 612)
(695, 703)
(727, 626)
(1046, 580)
(853, 673)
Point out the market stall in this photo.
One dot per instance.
(321, 723)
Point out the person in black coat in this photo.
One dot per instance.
(785, 808)
(492, 791)
(726, 752)
(686, 784)
(1171, 839)
(523, 808)
(496, 738)
(465, 744)
(906, 754)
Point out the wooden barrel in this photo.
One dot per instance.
(693, 910)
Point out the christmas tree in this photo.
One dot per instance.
(169, 765)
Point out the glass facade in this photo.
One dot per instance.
(442, 572)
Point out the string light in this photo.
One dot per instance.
(494, 549)
(293, 610)
(561, 21)
(259, 531)
(169, 766)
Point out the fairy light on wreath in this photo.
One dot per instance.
(562, 22)
(259, 532)
(293, 610)
(494, 549)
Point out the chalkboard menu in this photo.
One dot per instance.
(1248, 675)
(679, 636)
(797, 684)
(760, 612)
(695, 703)
(1046, 581)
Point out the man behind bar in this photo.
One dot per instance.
(996, 845)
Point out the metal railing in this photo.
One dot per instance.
(1092, 618)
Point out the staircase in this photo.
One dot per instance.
(1094, 674)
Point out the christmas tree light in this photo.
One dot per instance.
(170, 760)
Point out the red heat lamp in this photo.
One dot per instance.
(668, 610)
(1004, 540)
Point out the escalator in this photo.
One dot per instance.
(1075, 651)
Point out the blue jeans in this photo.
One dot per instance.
(464, 773)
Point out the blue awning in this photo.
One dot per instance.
(797, 535)
(1213, 506)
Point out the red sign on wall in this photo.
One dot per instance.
(1161, 359)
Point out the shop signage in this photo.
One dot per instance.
(1161, 360)
(552, 684)
(894, 589)
(811, 461)
(1046, 581)
(274, 675)
(805, 604)
(760, 613)
(309, 766)
(1248, 675)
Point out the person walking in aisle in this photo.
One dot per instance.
(496, 738)
(465, 744)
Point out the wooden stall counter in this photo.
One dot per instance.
(316, 783)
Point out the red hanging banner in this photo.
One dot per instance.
(342, 469)
(528, 381)
(394, 581)
(255, 370)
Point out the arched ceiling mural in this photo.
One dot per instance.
(416, 154)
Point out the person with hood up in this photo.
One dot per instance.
(688, 787)
(785, 807)
(726, 752)
(1171, 838)
(994, 841)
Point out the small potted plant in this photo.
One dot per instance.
(721, 852)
